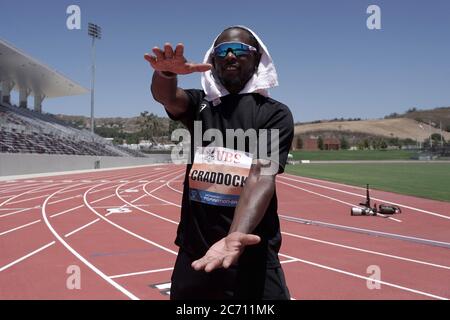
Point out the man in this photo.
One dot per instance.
(229, 233)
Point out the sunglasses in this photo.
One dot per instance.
(237, 48)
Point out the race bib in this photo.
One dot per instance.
(218, 176)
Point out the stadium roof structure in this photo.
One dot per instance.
(25, 73)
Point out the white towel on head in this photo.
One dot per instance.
(264, 78)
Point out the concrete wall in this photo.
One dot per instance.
(19, 164)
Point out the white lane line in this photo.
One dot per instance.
(334, 199)
(26, 256)
(69, 190)
(122, 228)
(39, 207)
(95, 201)
(80, 196)
(81, 258)
(288, 261)
(21, 259)
(364, 278)
(55, 215)
(157, 198)
(65, 199)
(343, 246)
(319, 194)
(20, 227)
(46, 195)
(366, 251)
(398, 220)
(17, 188)
(82, 206)
(84, 186)
(19, 211)
(27, 192)
(367, 231)
(140, 273)
(47, 188)
(326, 181)
(81, 228)
(66, 211)
(352, 274)
(373, 198)
(358, 249)
(172, 188)
(143, 210)
(9, 209)
(28, 199)
(115, 206)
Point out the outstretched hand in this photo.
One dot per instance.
(168, 60)
(225, 252)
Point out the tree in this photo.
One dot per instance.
(395, 142)
(366, 144)
(392, 115)
(436, 137)
(344, 144)
(174, 125)
(375, 144)
(320, 143)
(360, 145)
(148, 123)
(299, 143)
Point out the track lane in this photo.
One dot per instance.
(150, 203)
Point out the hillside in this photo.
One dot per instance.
(147, 126)
(437, 116)
(413, 124)
(126, 124)
(402, 128)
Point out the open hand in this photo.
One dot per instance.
(225, 252)
(169, 61)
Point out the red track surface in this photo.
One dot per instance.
(49, 224)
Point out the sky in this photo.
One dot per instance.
(330, 65)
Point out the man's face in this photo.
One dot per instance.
(234, 72)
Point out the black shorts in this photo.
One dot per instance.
(236, 283)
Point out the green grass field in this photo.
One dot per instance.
(425, 180)
(353, 155)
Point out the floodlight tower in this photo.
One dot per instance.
(95, 32)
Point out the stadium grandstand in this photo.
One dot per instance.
(23, 130)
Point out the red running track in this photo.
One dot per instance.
(109, 235)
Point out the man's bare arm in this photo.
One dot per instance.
(254, 201)
(168, 64)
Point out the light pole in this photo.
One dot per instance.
(420, 142)
(96, 33)
(431, 141)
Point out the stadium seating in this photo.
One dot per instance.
(26, 131)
